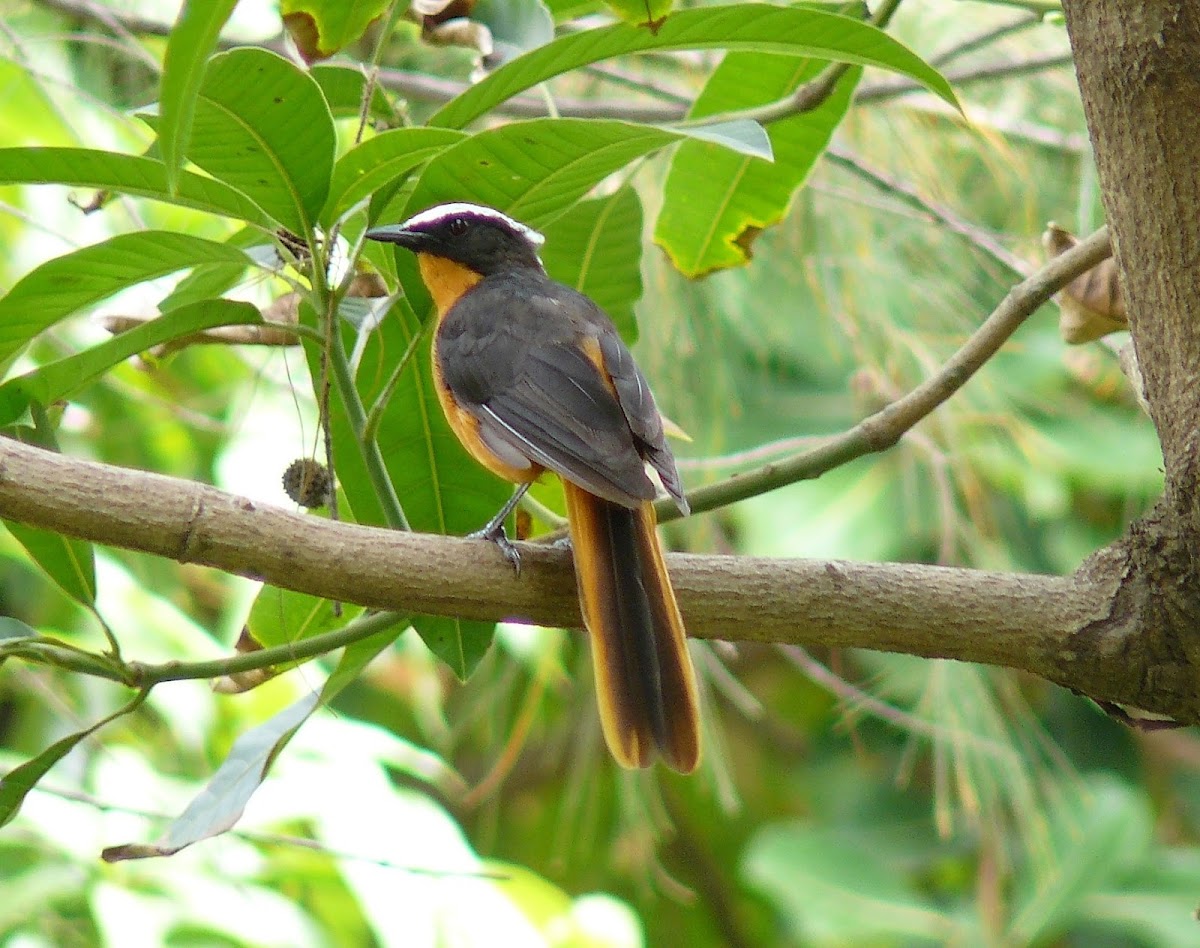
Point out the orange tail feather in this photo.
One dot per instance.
(645, 684)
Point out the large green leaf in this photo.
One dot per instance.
(344, 88)
(714, 202)
(192, 39)
(596, 247)
(534, 170)
(747, 27)
(262, 126)
(58, 380)
(128, 174)
(379, 160)
(66, 284)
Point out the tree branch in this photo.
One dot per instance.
(883, 429)
(933, 611)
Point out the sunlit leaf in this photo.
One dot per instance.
(344, 88)
(379, 160)
(76, 280)
(61, 379)
(645, 13)
(71, 563)
(192, 39)
(262, 126)
(282, 616)
(127, 174)
(746, 27)
(715, 203)
(594, 247)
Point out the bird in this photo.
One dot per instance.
(533, 377)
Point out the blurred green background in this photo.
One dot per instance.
(845, 798)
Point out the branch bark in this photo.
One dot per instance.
(1023, 621)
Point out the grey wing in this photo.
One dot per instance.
(562, 414)
(642, 414)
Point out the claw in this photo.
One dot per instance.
(497, 535)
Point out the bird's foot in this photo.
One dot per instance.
(495, 533)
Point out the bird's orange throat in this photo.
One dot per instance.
(445, 279)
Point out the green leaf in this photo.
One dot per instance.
(262, 126)
(535, 169)
(644, 13)
(214, 280)
(66, 284)
(344, 88)
(329, 25)
(128, 174)
(17, 783)
(746, 27)
(71, 563)
(714, 202)
(192, 39)
(1103, 828)
(281, 616)
(596, 247)
(219, 806)
(58, 380)
(832, 887)
(564, 10)
(380, 160)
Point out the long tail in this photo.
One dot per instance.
(644, 678)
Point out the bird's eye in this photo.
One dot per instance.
(458, 227)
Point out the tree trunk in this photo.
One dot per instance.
(1139, 73)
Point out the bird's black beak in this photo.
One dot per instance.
(398, 234)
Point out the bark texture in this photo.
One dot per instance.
(1139, 74)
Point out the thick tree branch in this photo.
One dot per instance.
(953, 613)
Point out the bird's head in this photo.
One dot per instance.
(479, 238)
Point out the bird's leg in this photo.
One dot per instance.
(494, 529)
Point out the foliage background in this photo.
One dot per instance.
(845, 798)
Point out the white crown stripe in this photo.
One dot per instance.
(442, 211)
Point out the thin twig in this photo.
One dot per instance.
(884, 428)
(930, 209)
(855, 698)
(976, 74)
(986, 38)
(810, 95)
